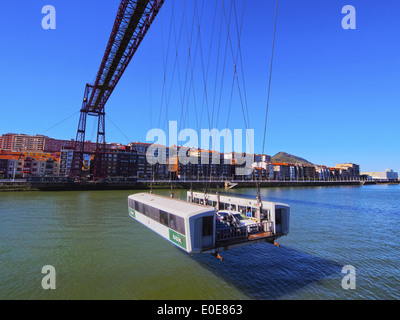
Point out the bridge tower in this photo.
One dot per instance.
(133, 20)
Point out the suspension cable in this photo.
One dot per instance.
(270, 76)
(217, 67)
(165, 62)
(60, 122)
(118, 128)
(224, 63)
(190, 65)
(239, 35)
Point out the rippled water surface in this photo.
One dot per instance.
(99, 252)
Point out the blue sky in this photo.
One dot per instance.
(334, 96)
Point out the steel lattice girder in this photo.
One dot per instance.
(133, 20)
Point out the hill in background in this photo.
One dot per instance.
(288, 158)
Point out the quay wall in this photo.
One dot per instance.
(76, 186)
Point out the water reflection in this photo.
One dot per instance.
(265, 272)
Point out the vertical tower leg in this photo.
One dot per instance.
(79, 148)
(100, 170)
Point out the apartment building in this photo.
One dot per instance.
(3, 168)
(15, 165)
(55, 145)
(65, 163)
(22, 142)
(139, 147)
(267, 167)
(323, 173)
(281, 171)
(262, 158)
(7, 141)
(349, 170)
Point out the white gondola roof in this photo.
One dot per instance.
(172, 205)
(232, 198)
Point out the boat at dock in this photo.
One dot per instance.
(210, 223)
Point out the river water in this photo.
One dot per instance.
(99, 252)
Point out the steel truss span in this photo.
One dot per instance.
(133, 20)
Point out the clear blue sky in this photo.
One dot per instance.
(335, 93)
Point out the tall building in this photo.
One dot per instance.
(64, 167)
(7, 141)
(353, 170)
(23, 142)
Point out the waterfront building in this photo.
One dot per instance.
(262, 158)
(204, 164)
(144, 169)
(27, 164)
(267, 167)
(281, 171)
(241, 164)
(14, 164)
(65, 162)
(260, 173)
(388, 174)
(111, 164)
(42, 166)
(349, 170)
(323, 172)
(56, 167)
(132, 160)
(36, 167)
(139, 147)
(334, 173)
(299, 172)
(3, 168)
(292, 172)
(125, 163)
(309, 172)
